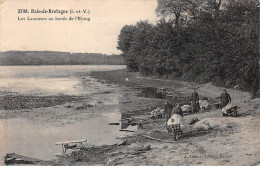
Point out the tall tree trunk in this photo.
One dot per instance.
(257, 87)
(216, 8)
(177, 17)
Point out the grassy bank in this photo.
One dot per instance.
(180, 89)
(138, 93)
(229, 141)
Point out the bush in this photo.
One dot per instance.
(221, 49)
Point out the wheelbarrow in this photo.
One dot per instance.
(230, 110)
(174, 130)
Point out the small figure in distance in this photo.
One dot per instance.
(195, 101)
(167, 110)
(225, 99)
(178, 110)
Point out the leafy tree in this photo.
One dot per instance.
(219, 45)
(125, 39)
(172, 9)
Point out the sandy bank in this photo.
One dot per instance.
(229, 141)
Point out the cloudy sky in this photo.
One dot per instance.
(97, 36)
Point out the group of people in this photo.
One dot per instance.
(169, 110)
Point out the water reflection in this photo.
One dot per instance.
(37, 138)
(51, 80)
(150, 92)
(38, 141)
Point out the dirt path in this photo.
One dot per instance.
(236, 144)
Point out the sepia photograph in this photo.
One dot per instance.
(129, 83)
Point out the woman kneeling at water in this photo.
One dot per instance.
(175, 124)
(176, 119)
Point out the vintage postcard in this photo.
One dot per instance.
(129, 82)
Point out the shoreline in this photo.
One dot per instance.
(194, 149)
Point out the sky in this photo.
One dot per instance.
(99, 35)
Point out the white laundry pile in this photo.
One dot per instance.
(157, 112)
(186, 108)
(176, 119)
(204, 104)
(226, 108)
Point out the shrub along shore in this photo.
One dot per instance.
(205, 41)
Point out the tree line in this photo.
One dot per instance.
(197, 40)
(57, 58)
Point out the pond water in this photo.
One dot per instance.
(37, 140)
(52, 80)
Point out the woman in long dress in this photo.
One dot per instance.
(195, 101)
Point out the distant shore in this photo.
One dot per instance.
(57, 58)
